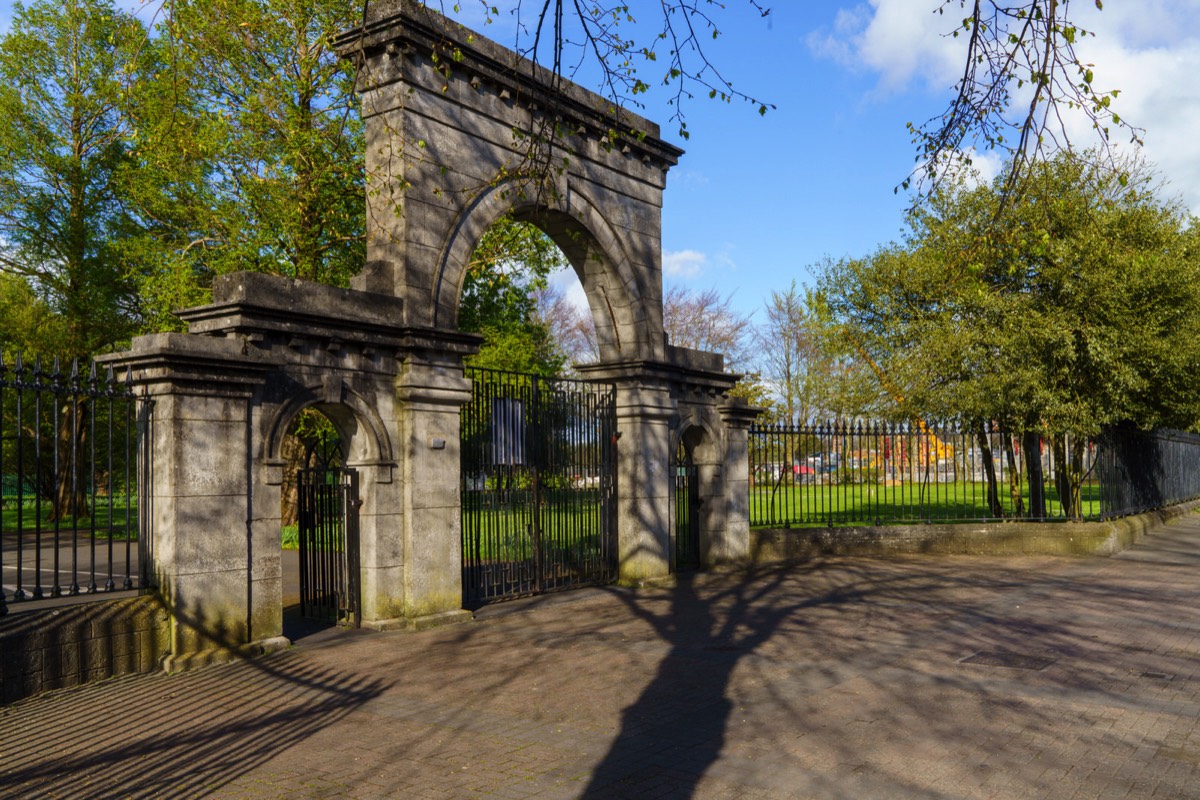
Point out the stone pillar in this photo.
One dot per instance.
(644, 481)
(713, 511)
(381, 544)
(734, 547)
(199, 487)
(430, 393)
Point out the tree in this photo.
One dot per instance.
(507, 271)
(703, 320)
(571, 328)
(255, 120)
(67, 76)
(807, 361)
(1076, 315)
(1021, 80)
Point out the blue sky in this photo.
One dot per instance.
(756, 201)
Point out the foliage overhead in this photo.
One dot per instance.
(508, 269)
(66, 72)
(256, 122)
(1022, 80)
(573, 38)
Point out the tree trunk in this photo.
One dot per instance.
(1077, 445)
(1068, 475)
(71, 490)
(989, 470)
(1014, 477)
(295, 457)
(1032, 445)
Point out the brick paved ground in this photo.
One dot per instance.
(843, 678)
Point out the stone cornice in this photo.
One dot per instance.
(666, 373)
(398, 28)
(256, 305)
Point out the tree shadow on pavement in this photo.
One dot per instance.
(896, 629)
(183, 735)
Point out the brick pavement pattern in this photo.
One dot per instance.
(922, 677)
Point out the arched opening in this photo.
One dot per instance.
(686, 550)
(624, 305)
(537, 462)
(514, 295)
(692, 470)
(316, 558)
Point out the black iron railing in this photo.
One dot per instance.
(71, 523)
(884, 474)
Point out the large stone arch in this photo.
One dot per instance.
(626, 324)
(448, 117)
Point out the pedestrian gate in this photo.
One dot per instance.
(687, 510)
(329, 559)
(538, 486)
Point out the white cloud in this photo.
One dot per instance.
(1149, 49)
(901, 40)
(683, 263)
(567, 282)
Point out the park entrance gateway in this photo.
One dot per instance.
(458, 132)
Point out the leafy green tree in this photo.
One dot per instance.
(1075, 314)
(508, 268)
(255, 119)
(68, 72)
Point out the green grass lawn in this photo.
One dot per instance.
(818, 504)
(122, 518)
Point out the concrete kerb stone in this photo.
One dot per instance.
(1017, 538)
(421, 623)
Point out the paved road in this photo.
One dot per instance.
(936, 677)
(36, 562)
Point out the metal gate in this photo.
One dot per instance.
(328, 532)
(538, 486)
(687, 510)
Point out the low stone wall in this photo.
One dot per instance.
(53, 648)
(991, 539)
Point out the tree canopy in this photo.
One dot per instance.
(1079, 313)
(69, 75)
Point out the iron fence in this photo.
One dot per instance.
(1144, 470)
(70, 519)
(882, 474)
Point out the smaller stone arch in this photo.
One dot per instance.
(357, 421)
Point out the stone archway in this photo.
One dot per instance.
(448, 116)
(440, 107)
(627, 324)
